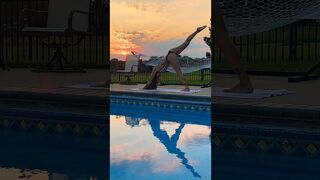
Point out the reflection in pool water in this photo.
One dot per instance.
(151, 143)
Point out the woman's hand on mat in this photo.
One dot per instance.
(199, 29)
(241, 88)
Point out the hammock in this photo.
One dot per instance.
(244, 17)
(188, 65)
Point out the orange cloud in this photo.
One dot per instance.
(122, 43)
(151, 7)
(157, 20)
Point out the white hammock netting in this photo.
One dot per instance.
(245, 17)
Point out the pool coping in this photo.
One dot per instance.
(163, 96)
(54, 122)
(220, 106)
(240, 107)
(289, 146)
(55, 97)
(267, 110)
(159, 100)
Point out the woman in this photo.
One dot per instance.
(171, 59)
(230, 52)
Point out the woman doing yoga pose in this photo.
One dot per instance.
(171, 59)
(223, 41)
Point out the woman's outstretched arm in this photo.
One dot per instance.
(154, 74)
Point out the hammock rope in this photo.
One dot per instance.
(187, 64)
(244, 17)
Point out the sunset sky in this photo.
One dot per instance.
(152, 27)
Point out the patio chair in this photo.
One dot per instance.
(131, 68)
(65, 19)
(311, 74)
(1, 48)
(3, 63)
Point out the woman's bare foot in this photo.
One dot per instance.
(241, 88)
(186, 89)
(199, 29)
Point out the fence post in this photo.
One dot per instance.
(293, 41)
(202, 74)
(30, 47)
(1, 47)
(1, 31)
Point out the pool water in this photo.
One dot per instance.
(51, 141)
(240, 165)
(39, 156)
(159, 143)
(265, 153)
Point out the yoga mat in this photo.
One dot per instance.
(95, 86)
(166, 90)
(257, 94)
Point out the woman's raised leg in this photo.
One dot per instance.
(186, 43)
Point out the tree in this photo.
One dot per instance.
(208, 41)
(114, 64)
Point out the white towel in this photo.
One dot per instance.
(159, 90)
(94, 86)
(257, 93)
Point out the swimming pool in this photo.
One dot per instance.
(53, 118)
(46, 140)
(157, 140)
(40, 156)
(253, 151)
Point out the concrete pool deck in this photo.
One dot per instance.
(303, 104)
(21, 83)
(203, 95)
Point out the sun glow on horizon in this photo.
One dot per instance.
(121, 44)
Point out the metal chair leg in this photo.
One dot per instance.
(58, 63)
(308, 75)
(2, 60)
(209, 84)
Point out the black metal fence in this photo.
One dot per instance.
(196, 78)
(292, 48)
(201, 77)
(26, 51)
